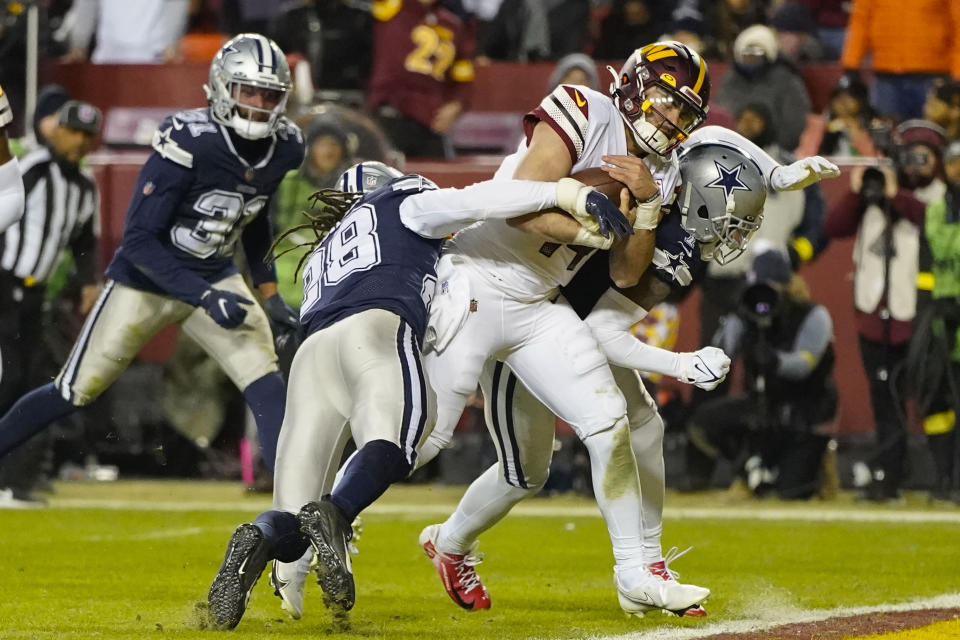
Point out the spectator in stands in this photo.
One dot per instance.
(422, 73)
(575, 68)
(884, 209)
(531, 30)
(943, 107)
(718, 22)
(934, 358)
(141, 32)
(792, 225)
(796, 34)
(831, 18)
(777, 428)
(844, 129)
(329, 153)
(759, 76)
(629, 25)
(910, 44)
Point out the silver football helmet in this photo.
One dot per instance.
(721, 198)
(248, 86)
(366, 177)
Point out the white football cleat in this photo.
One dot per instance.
(640, 591)
(288, 580)
(664, 572)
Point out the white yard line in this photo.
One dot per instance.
(666, 632)
(153, 535)
(547, 510)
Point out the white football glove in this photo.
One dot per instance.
(6, 114)
(803, 173)
(705, 368)
(572, 198)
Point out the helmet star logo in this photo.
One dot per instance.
(728, 179)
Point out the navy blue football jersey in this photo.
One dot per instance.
(195, 195)
(676, 261)
(370, 260)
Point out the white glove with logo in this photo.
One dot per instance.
(705, 368)
(803, 173)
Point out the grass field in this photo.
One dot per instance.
(132, 560)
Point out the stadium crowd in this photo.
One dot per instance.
(392, 80)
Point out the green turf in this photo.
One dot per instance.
(79, 573)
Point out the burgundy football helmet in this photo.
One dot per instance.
(662, 93)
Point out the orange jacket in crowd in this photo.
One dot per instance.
(905, 36)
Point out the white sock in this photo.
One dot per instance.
(617, 490)
(487, 500)
(647, 443)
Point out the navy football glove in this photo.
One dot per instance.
(225, 307)
(608, 216)
(284, 321)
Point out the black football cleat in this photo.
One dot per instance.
(330, 534)
(247, 555)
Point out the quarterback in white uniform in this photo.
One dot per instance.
(495, 290)
(11, 185)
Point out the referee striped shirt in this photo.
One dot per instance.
(60, 208)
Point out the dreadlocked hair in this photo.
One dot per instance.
(326, 208)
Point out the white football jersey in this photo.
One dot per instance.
(524, 266)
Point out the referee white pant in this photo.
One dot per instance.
(364, 370)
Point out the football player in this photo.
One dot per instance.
(367, 289)
(11, 184)
(719, 207)
(658, 98)
(212, 171)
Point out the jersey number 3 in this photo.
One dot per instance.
(351, 247)
(224, 215)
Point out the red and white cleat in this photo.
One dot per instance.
(457, 572)
(663, 571)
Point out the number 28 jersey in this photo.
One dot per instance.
(372, 260)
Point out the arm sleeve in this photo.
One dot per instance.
(810, 237)
(809, 346)
(85, 23)
(149, 219)
(257, 238)
(610, 322)
(11, 194)
(438, 213)
(721, 134)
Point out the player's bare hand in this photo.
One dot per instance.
(630, 213)
(634, 173)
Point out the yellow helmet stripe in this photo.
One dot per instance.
(703, 74)
(666, 53)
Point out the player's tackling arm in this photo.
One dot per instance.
(547, 160)
(11, 184)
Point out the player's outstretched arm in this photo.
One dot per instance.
(439, 212)
(610, 321)
(791, 177)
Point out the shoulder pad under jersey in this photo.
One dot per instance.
(567, 111)
(181, 135)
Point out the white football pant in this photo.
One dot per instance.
(124, 319)
(555, 354)
(365, 370)
(522, 429)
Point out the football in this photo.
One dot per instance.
(602, 182)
